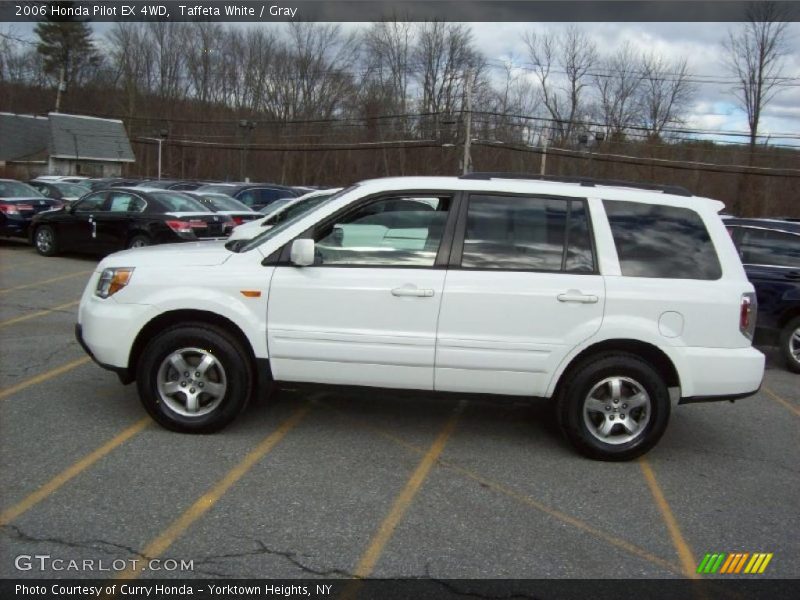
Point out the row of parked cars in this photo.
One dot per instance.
(104, 215)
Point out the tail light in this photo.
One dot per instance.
(180, 226)
(747, 315)
(237, 221)
(9, 209)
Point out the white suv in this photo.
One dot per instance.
(613, 300)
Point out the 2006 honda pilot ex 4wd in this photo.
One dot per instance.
(611, 300)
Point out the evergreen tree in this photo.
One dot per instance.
(66, 49)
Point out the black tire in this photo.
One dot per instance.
(575, 394)
(785, 343)
(48, 246)
(236, 365)
(139, 241)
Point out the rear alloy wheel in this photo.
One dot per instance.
(44, 238)
(615, 407)
(139, 241)
(194, 378)
(790, 344)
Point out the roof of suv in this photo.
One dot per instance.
(611, 190)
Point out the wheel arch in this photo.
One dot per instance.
(654, 355)
(174, 317)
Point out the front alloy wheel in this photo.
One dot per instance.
(194, 378)
(45, 241)
(191, 382)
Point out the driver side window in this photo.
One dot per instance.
(396, 231)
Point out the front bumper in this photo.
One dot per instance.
(124, 374)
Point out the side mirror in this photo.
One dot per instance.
(302, 253)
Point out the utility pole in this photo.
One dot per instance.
(247, 129)
(543, 167)
(62, 86)
(467, 161)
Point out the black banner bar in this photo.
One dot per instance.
(367, 10)
(733, 588)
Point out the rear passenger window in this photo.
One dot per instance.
(774, 248)
(669, 242)
(527, 233)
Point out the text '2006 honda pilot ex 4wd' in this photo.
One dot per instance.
(613, 300)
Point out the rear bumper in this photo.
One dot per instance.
(728, 397)
(713, 374)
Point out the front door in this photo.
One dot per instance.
(522, 291)
(366, 312)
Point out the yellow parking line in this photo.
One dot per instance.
(207, 501)
(43, 281)
(5, 393)
(38, 313)
(786, 403)
(688, 561)
(72, 471)
(522, 498)
(404, 500)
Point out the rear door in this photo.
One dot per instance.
(114, 225)
(522, 291)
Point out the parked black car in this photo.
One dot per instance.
(225, 205)
(59, 190)
(180, 185)
(119, 218)
(19, 203)
(103, 183)
(253, 195)
(770, 252)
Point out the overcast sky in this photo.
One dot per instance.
(700, 43)
(714, 106)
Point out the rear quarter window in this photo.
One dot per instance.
(668, 242)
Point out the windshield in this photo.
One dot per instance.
(177, 202)
(71, 189)
(247, 245)
(223, 202)
(17, 189)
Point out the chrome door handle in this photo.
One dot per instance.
(576, 296)
(412, 291)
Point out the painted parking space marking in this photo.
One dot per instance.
(782, 401)
(38, 313)
(42, 377)
(207, 501)
(45, 281)
(685, 555)
(71, 472)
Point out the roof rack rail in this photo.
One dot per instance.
(676, 190)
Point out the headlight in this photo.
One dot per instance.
(113, 280)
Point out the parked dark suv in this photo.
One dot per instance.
(770, 253)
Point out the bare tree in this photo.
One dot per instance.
(562, 64)
(755, 57)
(665, 92)
(618, 85)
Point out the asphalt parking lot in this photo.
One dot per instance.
(336, 485)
